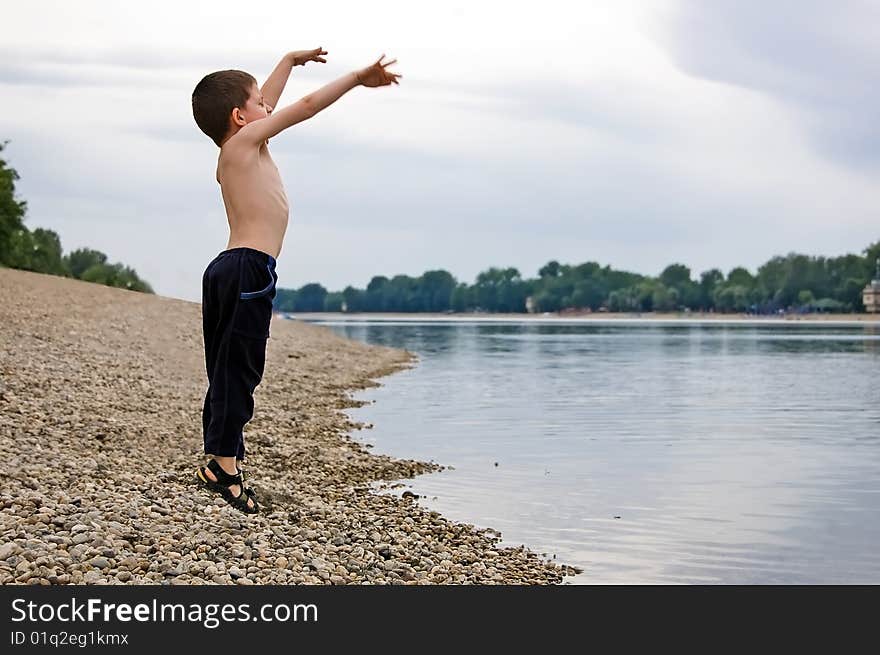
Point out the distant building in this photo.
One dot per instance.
(871, 297)
(530, 305)
(871, 293)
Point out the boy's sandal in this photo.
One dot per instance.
(248, 490)
(221, 486)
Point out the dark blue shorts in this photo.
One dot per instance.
(238, 288)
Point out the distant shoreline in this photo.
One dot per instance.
(597, 317)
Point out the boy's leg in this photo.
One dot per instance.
(211, 318)
(235, 348)
(240, 367)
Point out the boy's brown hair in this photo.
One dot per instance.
(215, 97)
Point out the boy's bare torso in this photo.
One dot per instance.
(256, 204)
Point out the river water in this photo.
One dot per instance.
(642, 451)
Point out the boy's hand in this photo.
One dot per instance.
(376, 75)
(300, 57)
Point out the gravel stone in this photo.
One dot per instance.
(89, 372)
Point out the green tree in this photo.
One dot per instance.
(586, 270)
(741, 276)
(461, 298)
(403, 294)
(626, 299)
(546, 301)
(850, 294)
(354, 299)
(798, 277)
(588, 293)
(550, 269)
(310, 298)
(771, 277)
(12, 213)
(663, 298)
(376, 299)
(46, 255)
(830, 305)
(675, 275)
(683, 290)
(732, 298)
(872, 255)
(40, 250)
(616, 301)
(21, 247)
(436, 288)
(552, 294)
(115, 275)
(709, 281)
(333, 302)
(501, 290)
(81, 259)
(836, 282)
(620, 279)
(285, 300)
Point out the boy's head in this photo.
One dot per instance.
(225, 101)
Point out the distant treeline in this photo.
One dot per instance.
(40, 250)
(794, 282)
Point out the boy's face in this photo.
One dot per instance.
(254, 109)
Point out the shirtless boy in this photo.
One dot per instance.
(238, 286)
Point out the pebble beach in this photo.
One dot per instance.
(101, 393)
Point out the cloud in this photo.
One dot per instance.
(134, 57)
(582, 143)
(117, 67)
(821, 59)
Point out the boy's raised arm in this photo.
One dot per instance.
(274, 85)
(371, 76)
(302, 109)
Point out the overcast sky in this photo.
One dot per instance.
(635, 134)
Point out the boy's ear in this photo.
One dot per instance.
(237, 118)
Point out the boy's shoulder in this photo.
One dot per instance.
(236, 149)
(235, 153)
